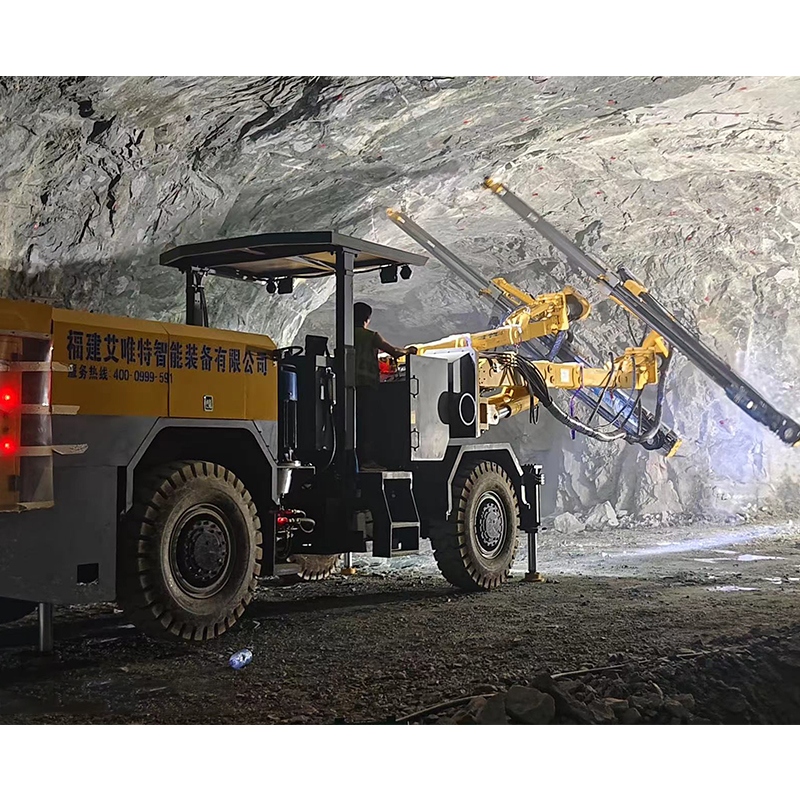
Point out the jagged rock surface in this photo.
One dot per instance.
(746, 683)
(567, 524)
(602, 516)
(692, 183)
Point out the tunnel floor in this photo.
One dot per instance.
(714, 608)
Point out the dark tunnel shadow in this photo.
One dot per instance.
(110, 625)
(25, 632)
(265, 609)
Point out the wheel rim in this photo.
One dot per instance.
(201, 551)
(491, 524)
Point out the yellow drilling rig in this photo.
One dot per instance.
(167, 467)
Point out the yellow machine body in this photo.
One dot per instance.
(130, 367)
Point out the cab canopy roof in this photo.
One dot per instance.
(284, 255)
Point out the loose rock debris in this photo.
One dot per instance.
(755, 683)
(390, 642)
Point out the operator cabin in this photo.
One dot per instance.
(368, 343)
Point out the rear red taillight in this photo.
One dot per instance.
(9, 400)
(26, 461)
(10, 414)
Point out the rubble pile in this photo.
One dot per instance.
(756, 683)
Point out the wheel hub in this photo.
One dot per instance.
(202, 552)
(490, 524)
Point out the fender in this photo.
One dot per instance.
(508, 456)
(256, 428)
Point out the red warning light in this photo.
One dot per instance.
(7, 446)
(282, 520)
(8, 400)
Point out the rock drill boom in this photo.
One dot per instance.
(635, 298)
(618, 407)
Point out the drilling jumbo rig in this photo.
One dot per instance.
(167, 467)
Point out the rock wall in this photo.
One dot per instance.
(692, 183)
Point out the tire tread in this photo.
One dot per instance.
(136, 592)
(449, 541)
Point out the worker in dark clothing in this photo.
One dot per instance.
(367, 344)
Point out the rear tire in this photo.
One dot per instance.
(12, 610)
(314, 567)
(189, 552)
(475, 551)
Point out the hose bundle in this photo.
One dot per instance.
(526, 373)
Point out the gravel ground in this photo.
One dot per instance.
(396, 637)
(752, 682)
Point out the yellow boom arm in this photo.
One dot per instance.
(535, 317)
(636, 368)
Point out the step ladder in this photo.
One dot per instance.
(395, 521)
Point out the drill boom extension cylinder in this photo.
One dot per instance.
(637, 300)
(535, 317)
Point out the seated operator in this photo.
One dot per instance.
(367, 345)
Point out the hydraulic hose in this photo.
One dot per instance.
(606, 384)
(528, 373)
(576, 425)
(330, 424)
(660, 392)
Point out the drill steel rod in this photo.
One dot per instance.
(642, 305)
(611, 409)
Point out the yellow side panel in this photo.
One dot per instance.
(121, 366)
(217, 374)
(118, 366)
(17, 315)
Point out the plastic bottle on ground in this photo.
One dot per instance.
(240, 659)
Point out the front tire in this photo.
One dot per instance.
(475, 551)
(189, 552)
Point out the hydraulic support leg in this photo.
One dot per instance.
(348, 568)
(533, 575)
(45, 627)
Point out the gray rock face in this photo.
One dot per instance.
(691, 183)
(567, 523)
(602, 516)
